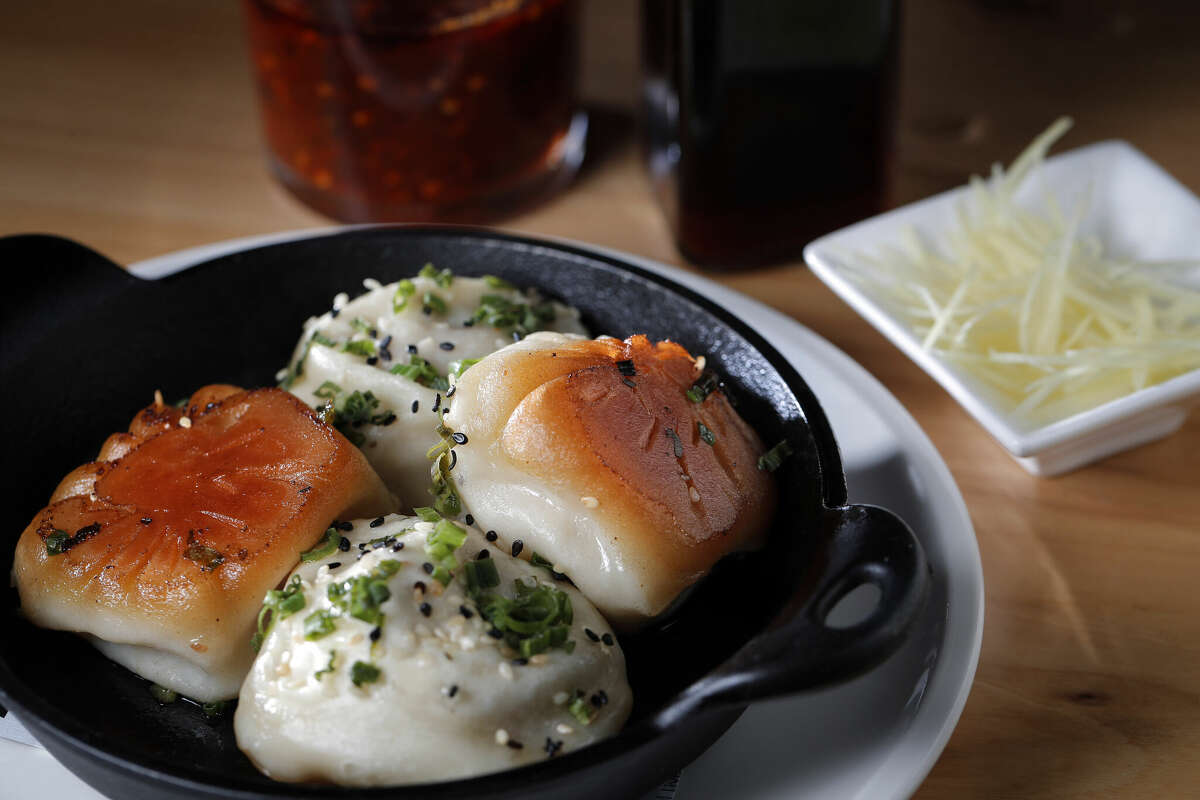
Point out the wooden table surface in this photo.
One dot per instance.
(132, 127)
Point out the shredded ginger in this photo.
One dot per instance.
(1022, 301)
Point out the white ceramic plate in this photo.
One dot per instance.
(874, 737)
(1139, 211)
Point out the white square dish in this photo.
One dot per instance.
(1138, 211)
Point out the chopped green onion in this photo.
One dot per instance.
(537, 618)
(428, 514)
(404, 290)
(349, 412)
(321, 673)
(208, 558)
(322, 339)
(706, 434)
(360, 347)
(703, 387)
(457, 368)
(361, 325)
(362, 596)
(58, 542)
(580, 708)
(442, 278)
(771, 459)
(319, 624)
(363, 672)
(323, 548)
(328, 390)
(279, 604)
(433, 302)
(481, 575)
(420, 371)
(497, 282)
(162, 694)
(501, 312)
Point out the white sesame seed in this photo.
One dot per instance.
(501, 736)
(158, 401)
(93, 497)
(467, 643)
(564, 729)
(695, 495)
(370, 284)
(589, 501)
(185, 422)
(561, 698)
(506, 671)
(700, 362)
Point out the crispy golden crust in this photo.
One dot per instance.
(174, 542)
(635, 441)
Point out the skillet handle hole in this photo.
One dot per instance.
(855, 606)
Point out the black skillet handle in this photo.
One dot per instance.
(798, 651)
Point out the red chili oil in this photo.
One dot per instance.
(418, 110)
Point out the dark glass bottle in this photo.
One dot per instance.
(767, 122)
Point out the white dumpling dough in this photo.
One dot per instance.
(449, 701)
(397, 450)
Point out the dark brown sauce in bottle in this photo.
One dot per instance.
(418, 110)
(767, 122)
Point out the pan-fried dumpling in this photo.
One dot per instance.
(161, 551)
(381, 361)
(616, 461)
(383, 675)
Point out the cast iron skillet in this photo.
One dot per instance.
(85, 344)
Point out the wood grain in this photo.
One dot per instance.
(132, 127)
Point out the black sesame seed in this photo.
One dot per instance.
(453, 464)
(607, 639)
(629, 382)
(446, 345)
(599, 699)
(412, 348)
(468, 323)
(427, 609)
(459, 438)
(376, 632)
(375, 523)
(344, 526)
(334, 564)
(343, 544)
(626, 367)
(466, 612)
(334, 312)
(517, 547)
(495, 633)
(419, 585)
(437, 402)
(372, 360)
(146, 520)
(416, 404)
(482, 554)
(450, 392)
(385, 354)
(428, 568)
(469, 519)
(397, 547)
(363, 545)
(372, 333)
(520, 662)
(514, 744)
(591, 634)
(386, 341)
(490, 536)
(552, 747)
(453, 690)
